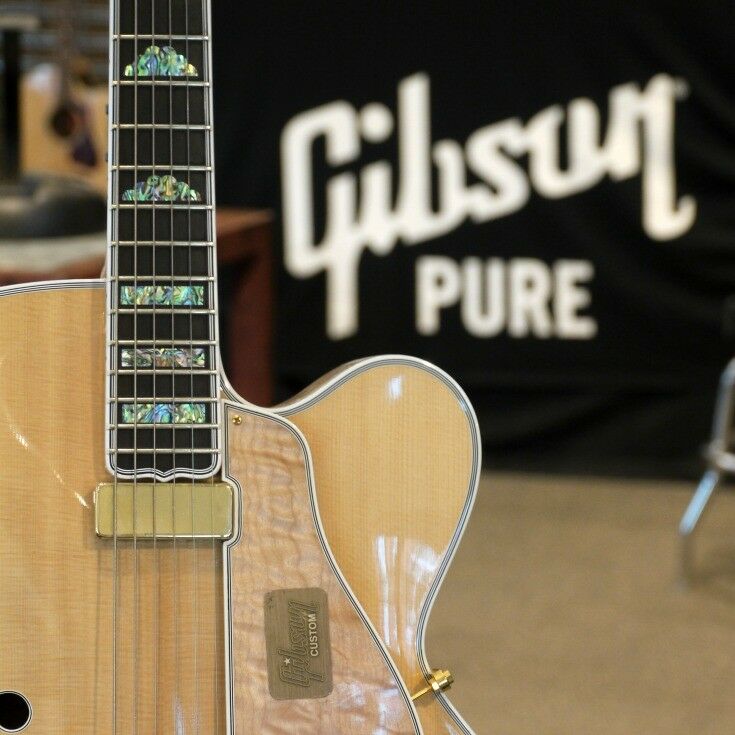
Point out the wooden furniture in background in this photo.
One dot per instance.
(246, 288)
(244, 250)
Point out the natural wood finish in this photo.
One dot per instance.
(392, 458)
(280, 550)
(56, 577)
(392, 449)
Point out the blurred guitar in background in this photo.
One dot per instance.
(64, 90)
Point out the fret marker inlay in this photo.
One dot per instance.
(150, 357)
(161, 295)
(162, 336)
(161, 189)
(164, 413)
(165, 62)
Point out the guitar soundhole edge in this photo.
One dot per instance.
(15, 712)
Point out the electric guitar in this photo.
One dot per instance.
(173, 559)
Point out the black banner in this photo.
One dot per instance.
(536, 197)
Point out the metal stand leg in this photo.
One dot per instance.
(721, 462)
(690, 519)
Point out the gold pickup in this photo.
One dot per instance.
(167, 510)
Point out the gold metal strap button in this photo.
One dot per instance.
(437, 681)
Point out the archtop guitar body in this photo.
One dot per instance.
(174, 560)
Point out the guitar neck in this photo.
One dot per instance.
(163, 415)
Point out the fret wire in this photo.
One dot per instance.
(130, 167)
(175, 279)
(162, 36)
(175, 243)
(164, 450)
(179, 371)
(166, 342)
(167, 399)
(183, 310)
(161, 205)
(159, 126)
(157, 83)
(183, 427)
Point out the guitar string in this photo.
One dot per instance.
(191, 374)
(175, 551)
(113, 295)
(136, 412)
(136, 272)
(206, 29)
(154, 365)
(206, 9)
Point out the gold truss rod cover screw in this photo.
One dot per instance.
(437, 681)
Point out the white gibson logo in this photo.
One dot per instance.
(639, 139)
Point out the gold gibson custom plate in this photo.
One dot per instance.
(297, 642)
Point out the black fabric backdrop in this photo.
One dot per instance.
(635, 393)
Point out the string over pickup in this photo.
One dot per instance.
(193, 510)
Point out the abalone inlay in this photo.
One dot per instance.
(164, 62)
(167, 357)
(164, 413)
(162, 295)
(161, 189)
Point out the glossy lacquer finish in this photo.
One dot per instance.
(158, 640)
(396, 455)
(59, 583)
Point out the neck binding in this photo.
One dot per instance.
(163, 416)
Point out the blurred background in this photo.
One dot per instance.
(539, 198)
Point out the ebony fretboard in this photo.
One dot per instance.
(162, 324)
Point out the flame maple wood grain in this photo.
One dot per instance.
(280, 549)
